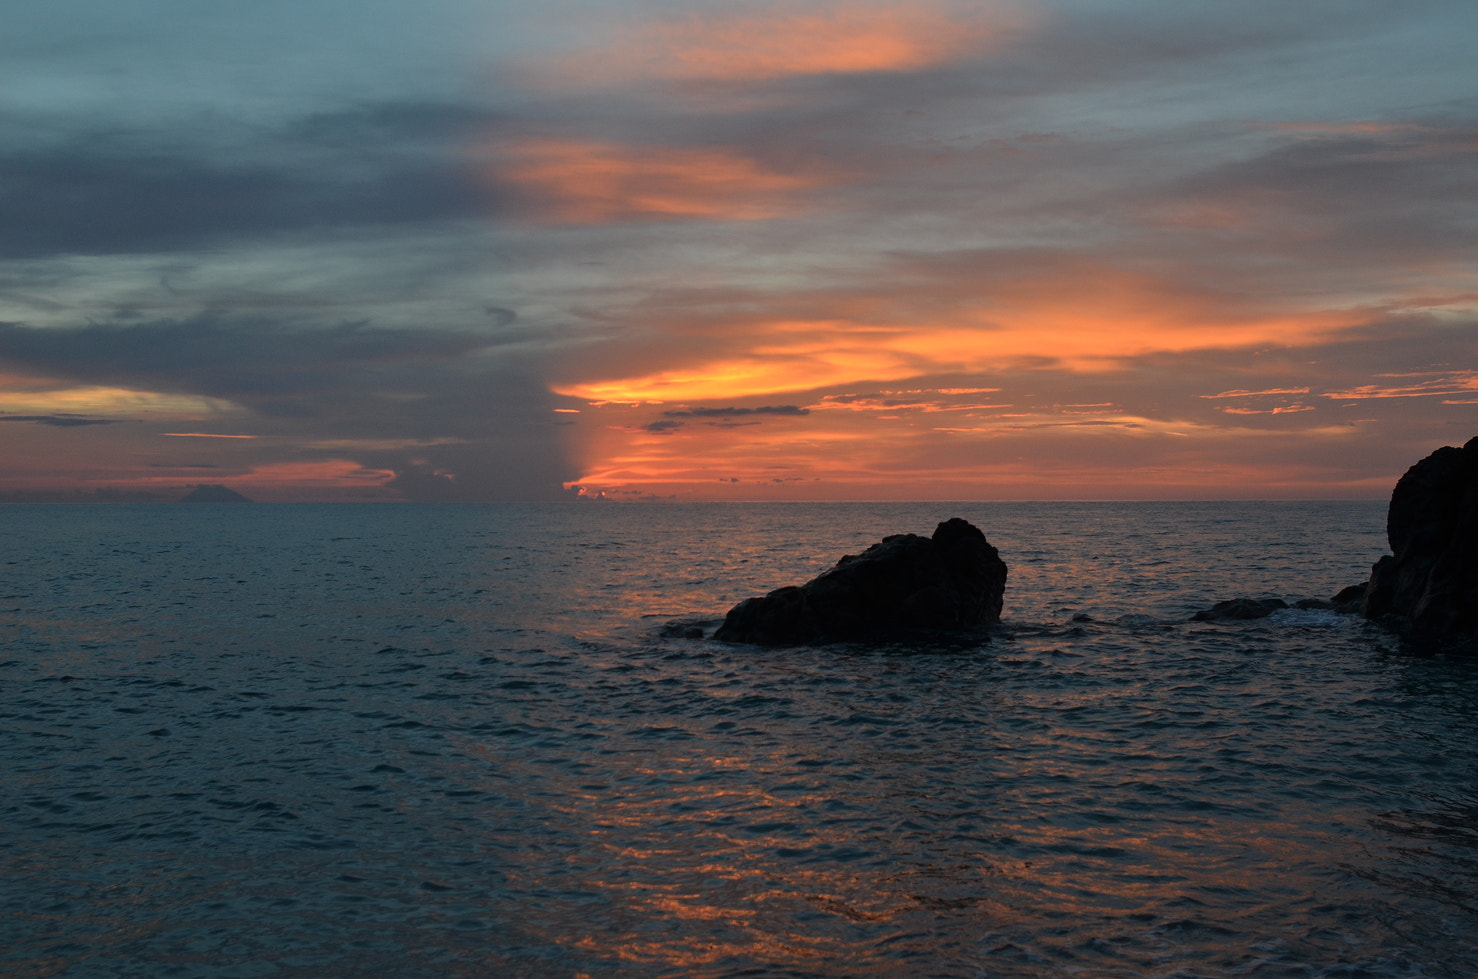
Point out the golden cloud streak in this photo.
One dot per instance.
(1256, 394)
(1284, 410)
(790, 356)
(580, 182)
(781, 41)
(1457, 382)
(110, 402)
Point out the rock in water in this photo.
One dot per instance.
(951, 582)
(1431, 576)
(1239, 609)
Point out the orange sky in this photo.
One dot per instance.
(772, 251)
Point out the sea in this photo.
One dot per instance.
(460, 740)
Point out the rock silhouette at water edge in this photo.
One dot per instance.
(1346, 602)
(952, 582)
(1429, 581)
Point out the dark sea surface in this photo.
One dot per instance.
(359, 740)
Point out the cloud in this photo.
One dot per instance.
(97, 192)
(426, 409)
(59, 421)
(731, 412)
(1433, 384)
(725, 417)
(228, 356)
(756, 43)
(1143, 428)
(974, 245)
(1257, 394)
(573, 182)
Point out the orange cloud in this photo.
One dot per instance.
(109, 402)
(758, 45)
(1050, 452)
(577, 182)
(1317, 128)
(917, 400)
(1066, 336)
(1281, 410)
(1256, 394)
(1084, 330)
(1449, 383)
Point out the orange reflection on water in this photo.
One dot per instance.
(722, 887)
(687, 861)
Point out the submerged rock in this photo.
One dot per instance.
(1240, 609)
(1430, 579)
(953, 581)
(1350, 598)
(1346, 602)
(684, 628)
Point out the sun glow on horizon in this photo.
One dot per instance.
(796, 356)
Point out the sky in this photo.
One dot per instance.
(678, 249)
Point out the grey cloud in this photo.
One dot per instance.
(475, 428)
(59, 421)
(668, 423)
(735, 412)
(96, 192)
(74, 201)
(1411, 187)
(391, 125)
(231, 357)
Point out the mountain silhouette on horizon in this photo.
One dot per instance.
(213, 493)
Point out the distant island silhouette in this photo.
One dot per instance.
(213, 493)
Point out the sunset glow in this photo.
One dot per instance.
(758, 250)
(592, 183)
(107, 402)
(749, 43)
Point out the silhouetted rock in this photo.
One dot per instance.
(1350, 598)
(951, 582)
(213, 493)
(684, 628)
(1239, 609)
(1430, 579)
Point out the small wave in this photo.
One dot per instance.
(1309, 617)
(1138, 620)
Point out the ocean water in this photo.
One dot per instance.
(302, 740)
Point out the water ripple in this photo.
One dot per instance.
(454, 741)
